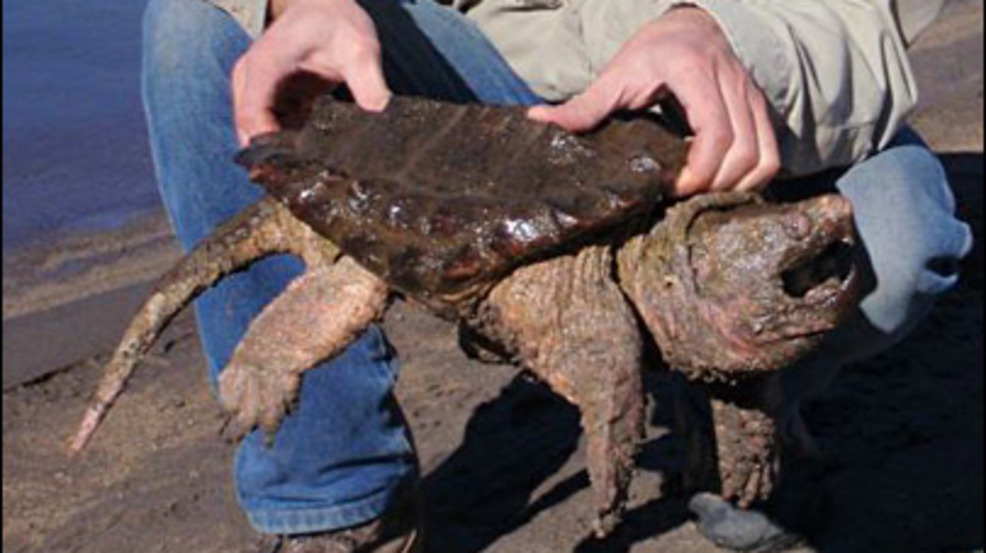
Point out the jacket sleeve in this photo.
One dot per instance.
(835, 71)
(250, 14)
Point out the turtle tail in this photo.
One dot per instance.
(263, 229)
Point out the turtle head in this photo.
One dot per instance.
(729, 284)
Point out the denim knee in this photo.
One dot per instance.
(904, 213)
(905, 216)
(186, 38)
(189, 49)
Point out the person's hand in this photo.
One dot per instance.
(686, 54)
(334, 40)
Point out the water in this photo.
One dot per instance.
(75, 153)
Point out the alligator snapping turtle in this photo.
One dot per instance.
(549, 246)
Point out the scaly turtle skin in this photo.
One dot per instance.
(550, 245)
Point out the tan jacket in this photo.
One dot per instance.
(835, 71)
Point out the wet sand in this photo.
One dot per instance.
(901, 436)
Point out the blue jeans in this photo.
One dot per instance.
(340, 455)
(904, 212)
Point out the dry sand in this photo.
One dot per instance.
(901, 436)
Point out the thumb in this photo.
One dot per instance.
(253, 87)
(367, 84)
(585, 111)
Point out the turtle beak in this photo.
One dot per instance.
(731, 287)
(819, 279)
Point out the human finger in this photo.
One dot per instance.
(237, 82)
(364, 77)
(699, 96)
(585, 111)
(744, 152)
(255, 84)
(769, 163)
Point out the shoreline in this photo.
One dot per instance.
(72, 266)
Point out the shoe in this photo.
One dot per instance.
(746, 530)
(399, 530)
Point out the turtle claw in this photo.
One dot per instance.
(746, 452)
(581, 338)
(234, 429)
(260, 384)
(751, 484)
(253, 397)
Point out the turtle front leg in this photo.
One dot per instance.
(746, 441)
(317, 316)
(743, 432)
(568, 322)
